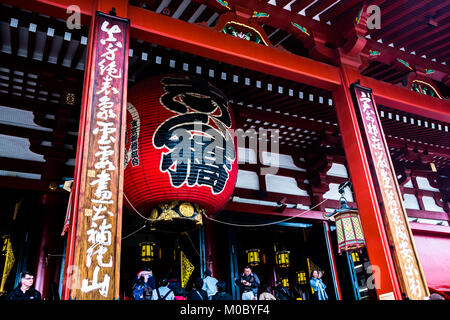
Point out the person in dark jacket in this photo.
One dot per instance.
(282, 293)
(248, 283)
(25, 289)
(221, 293)
(197, 293)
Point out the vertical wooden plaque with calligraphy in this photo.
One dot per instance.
(95, 268)
(409, 270)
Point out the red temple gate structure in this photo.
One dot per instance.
(288, 70)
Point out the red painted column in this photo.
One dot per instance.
(371, 219)
(45, 266)
(210, 251)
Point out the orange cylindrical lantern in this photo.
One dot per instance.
(181, 158)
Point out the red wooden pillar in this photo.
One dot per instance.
(46, 265)
(210, 250)
(371, 219)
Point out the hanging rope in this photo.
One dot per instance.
(192, 243)
(263, 224)
(251, 225)
(342, 186)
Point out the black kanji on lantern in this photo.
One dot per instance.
(201, 148)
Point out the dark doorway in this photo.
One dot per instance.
(307, 246)
(166, 261)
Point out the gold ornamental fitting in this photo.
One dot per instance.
(176, 215)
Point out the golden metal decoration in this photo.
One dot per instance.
(312, 266)
(186, 270)
(186, 209)
(153, 214)
(7, 251)
(53, 186)
(69, 98)
(177, 211)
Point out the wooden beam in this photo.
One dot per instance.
(81, 48)
(271, 211)
(64, 47)
(31, 42)
(422, 214)
(21, 165)
(389, 55)
(25, 132)
(266, 116)
(27, 184)
(201, 41)
(399, 98)
(38, 67)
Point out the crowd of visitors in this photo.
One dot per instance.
(210, 288)
(144, 287)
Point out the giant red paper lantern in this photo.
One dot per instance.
(181, 157)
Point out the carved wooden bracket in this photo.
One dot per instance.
(241, 25)
(354, 33)
(320, 51)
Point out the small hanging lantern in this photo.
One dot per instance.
(348, 226)
(285, 282)
(147, 251)
(301, 277)
(253, 257)
(355, 256)
(282, 258)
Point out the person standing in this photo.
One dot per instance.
(25, 289)
(222, 293)
(163, 292)
(143, 285)
(318, 286)
(282, 292)
(299, 294)
(248, 283)
(267, 294)
(209, 284)
(180, 293)
(197, 293)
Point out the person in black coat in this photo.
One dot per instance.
(281, 292)
(197, 293)
(221, 294)
(25, 289)
(248, 283)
